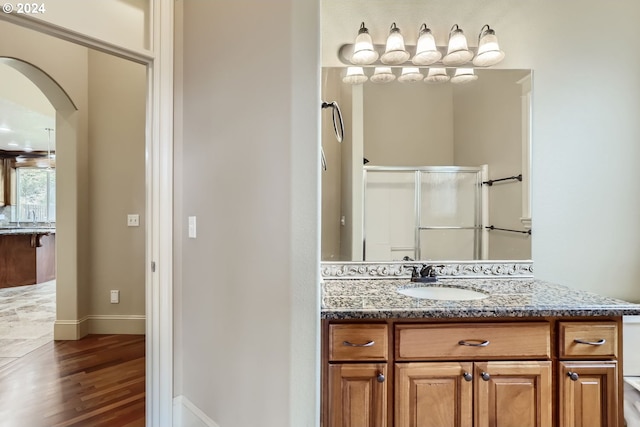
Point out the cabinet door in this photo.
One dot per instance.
(588, 394)
(513, 394)
(358, 395)
(434, 394)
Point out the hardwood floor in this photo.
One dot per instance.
(98, 381)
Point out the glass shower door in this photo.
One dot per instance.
(390, 215)
(450, 214)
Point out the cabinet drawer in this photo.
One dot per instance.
(588, 339)
(525, 340)
(358, 342)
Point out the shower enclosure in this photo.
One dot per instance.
(424, 213)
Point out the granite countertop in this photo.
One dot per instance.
(27, 230)
(521, 297)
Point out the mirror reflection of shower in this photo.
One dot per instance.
(338, 126)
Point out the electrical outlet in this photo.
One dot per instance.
(133, 220)
(115, 296)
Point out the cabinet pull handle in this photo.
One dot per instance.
(599, 342)
(479, 343)
(467, 376)
(485, 376)
(573, 376)
(380, 377)
(367, 344)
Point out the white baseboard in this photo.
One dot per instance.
(67, 330)
(116, 324)
(186, 414)
(99, 324)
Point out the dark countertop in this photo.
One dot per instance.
(521, 297)
(27, 230)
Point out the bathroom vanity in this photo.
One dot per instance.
(528, 353)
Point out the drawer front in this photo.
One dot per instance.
(358, 342)
(588, 340)
(526, 340)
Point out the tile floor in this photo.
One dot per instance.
(27, 314)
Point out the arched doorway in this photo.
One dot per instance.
(64, 130)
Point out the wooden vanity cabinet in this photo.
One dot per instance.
(589, 383)
(482, 390)
(520, 373)
(356, 375)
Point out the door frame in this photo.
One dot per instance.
(159, 199)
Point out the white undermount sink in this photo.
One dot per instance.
(442, 293)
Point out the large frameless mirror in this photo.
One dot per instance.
(428, 171)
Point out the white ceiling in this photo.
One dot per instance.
(25, 114)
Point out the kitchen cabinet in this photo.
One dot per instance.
(528, 372)
(2, 185)
(26, 258)
(5, 181)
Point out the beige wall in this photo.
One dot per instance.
(249, 172)
(488, 118)
(96, 18)
(117, 108)
(408, 124)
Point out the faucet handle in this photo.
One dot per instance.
(427, 271)
(414, 270)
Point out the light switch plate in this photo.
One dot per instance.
(192, 227)
(133, 220)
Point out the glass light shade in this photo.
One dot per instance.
(355, 75)
(426, 51)
(394, 53)
(489, 52)
(410, 74)
(437, 75)
(363, 51)
(458, 52)
(464, 75)
(382, 75)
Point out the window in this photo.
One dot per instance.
(36, 194)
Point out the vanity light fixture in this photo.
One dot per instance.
(489, 52)
(426, 51)
(363, 51)
(410, 74)
(395, 53)
(437, 75)
(382, 75)
(355, 76)
(464, 75)
(458, 52)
